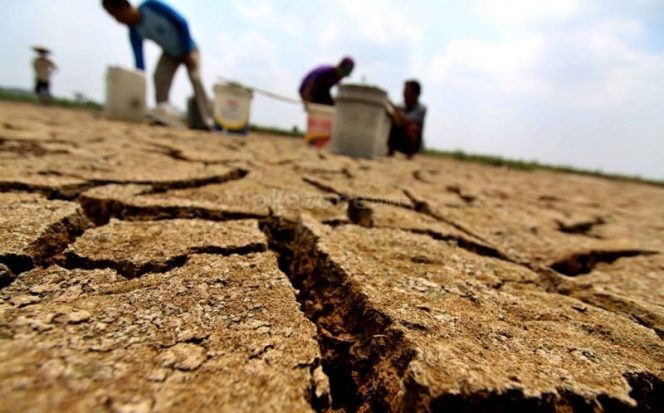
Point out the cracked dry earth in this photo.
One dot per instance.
(151, 270)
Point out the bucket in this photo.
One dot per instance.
(232, 107)
(361, 127)
(319, 124)
(125, 94)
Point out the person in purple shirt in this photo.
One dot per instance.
(315, 87)
(160, 23)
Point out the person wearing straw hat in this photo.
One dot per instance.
(316, 86)
(44, 68)
(160, 23)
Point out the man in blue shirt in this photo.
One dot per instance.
(158, 22)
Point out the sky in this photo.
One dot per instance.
(567, 82)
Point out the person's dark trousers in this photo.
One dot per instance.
(43, 92)
(399, 141)
(42, 88)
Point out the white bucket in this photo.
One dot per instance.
(125, 94)
(232, 106)
(361, 127)
(319, 124)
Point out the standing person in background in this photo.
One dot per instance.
(407, 121)
(316, 86)
(44, 68)
(158, 22)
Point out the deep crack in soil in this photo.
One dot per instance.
(362, 356)
(647, 390)
(158, 187)
(102, 210)
(72, 192)
(403, 203)
(582, 227)
(424, 208)
(584, 262)
(366, 359)
(468, 245)
(63, 193)
(47, 249)
(130, 270)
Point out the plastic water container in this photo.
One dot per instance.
(125, 94)
(319, 124)
(361, 127)
(232, 107)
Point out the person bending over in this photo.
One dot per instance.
(316, 86)
(160, 23)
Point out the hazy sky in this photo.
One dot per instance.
(576, 82)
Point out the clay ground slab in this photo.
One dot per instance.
(34, 229)
(458, 328)
(219, 333)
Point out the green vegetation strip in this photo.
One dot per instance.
(535, 166)
(24, 96)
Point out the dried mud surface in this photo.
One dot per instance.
(148, 270)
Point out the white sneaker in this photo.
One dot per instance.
(166, 114)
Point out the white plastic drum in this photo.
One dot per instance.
(361, 127)
(125, 94)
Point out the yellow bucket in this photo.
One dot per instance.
(232, 106)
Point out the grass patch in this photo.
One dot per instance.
(535, 166)
(293, 133)
(26, 96)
